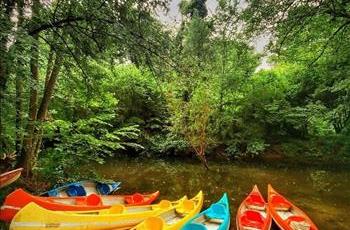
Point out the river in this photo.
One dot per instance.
(324, 194)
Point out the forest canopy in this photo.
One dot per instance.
(82, 81)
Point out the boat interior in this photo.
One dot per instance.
(209, 223)
(290, 215)
(176, 214)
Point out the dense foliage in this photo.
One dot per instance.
(84, 81)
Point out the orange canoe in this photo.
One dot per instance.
(19, 198)
(9, 177)
(253, 213)
(286, 215)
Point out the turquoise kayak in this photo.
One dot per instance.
(216, 217)
(84, 188)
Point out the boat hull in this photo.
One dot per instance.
(8, 178)
(19, 199)
(290, 213)
(255, 204)
(175, 217)
(35, 217)
(216, 217)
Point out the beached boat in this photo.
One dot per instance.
(10, 177)
(175, 217)
(19, 198)
(84, 188)
(34, 217)
(286, 215)
(253, 213)
(216, 217)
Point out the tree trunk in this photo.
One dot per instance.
(204, 161)
(201, 155)
(19, 107)
(3, 80)
(49, 88)
(38, 114)
(50, 61)
(44, 106)
(33, 105)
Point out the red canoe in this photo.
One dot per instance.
(253, 213)
(9, 177)
(286, 215)
(19, 198)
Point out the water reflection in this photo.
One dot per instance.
(324, 195)
(320, 181)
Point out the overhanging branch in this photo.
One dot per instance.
(57, 24)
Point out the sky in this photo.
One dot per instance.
(173, 17)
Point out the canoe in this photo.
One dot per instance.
(253, 213)
(216, 217)
(34, 217)
(19, 198)
(175, 217)
(84, 188)
(286, 215)
(10, 177)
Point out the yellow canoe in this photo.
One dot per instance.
(175, 217)
(35, 217)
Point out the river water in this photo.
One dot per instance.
(324, 194)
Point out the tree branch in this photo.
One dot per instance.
(57, 24)
(328, 41)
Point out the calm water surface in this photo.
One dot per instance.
(323, 194)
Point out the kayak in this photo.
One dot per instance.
(84, 188)
(253, 213)
(19, 198)
(10, 177)
(175, 217)
(32, 216)
(286, 215)
(216, 217)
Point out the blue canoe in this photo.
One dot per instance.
(84, 188)
(217, 217)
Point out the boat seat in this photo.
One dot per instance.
(298, 223)
(255, 201)
(116, 209)
(250, 228)
(53, 192)
(280, 203)
(104, 189)
(216, 211)
(134, 199)
(76, 190)
(185, 207)
(194, 226)
(152, 223)
(164, 204)
(93, 200)
(252, 219)
(80, 200)
(216, 221)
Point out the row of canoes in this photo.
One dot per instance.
(255, 213)
(135, 212)
(87, 205)
(19, 199)
(164, 215)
